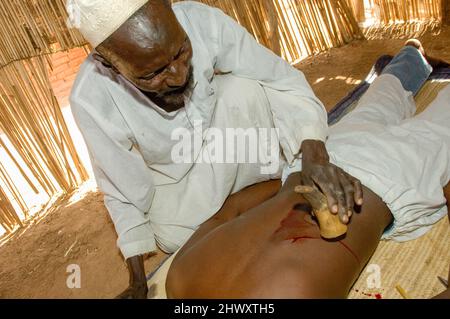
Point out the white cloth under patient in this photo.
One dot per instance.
(404, 159)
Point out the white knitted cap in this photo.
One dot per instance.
(98, 19)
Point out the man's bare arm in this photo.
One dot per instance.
(138, 282)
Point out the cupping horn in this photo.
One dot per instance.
(330, 225)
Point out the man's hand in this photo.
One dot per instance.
(341, 189)
(138, 282)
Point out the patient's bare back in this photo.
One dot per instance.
(274, 250)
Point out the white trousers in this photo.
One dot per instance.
(404, 159)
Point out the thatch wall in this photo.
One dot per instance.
(31, 121)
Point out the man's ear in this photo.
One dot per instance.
(105, 62)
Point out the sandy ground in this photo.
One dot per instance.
(34, 262)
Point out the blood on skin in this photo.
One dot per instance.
(303, 237)
(350, 250)
(291, 220)
(296, 229)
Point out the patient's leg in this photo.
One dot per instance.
(433, 126)
(389, 99)
(438, 112)
(272, 251)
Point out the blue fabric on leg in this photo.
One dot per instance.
(411, 68)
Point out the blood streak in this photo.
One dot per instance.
(351, 251)
(303, 237)
(295, 229)
(291, 221)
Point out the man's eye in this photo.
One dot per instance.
(148, 77)
(152, 75)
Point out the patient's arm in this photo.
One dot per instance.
(447, 196)
(272, 251)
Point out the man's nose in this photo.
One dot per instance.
(176, 74)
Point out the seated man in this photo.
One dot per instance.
(264, 243)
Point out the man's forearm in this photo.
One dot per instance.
(136, 270)
(314, 150)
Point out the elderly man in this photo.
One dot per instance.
(154, 73)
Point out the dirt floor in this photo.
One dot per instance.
(34, 262)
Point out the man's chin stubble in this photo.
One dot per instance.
(179, 99)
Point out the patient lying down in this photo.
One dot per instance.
(264, 242)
